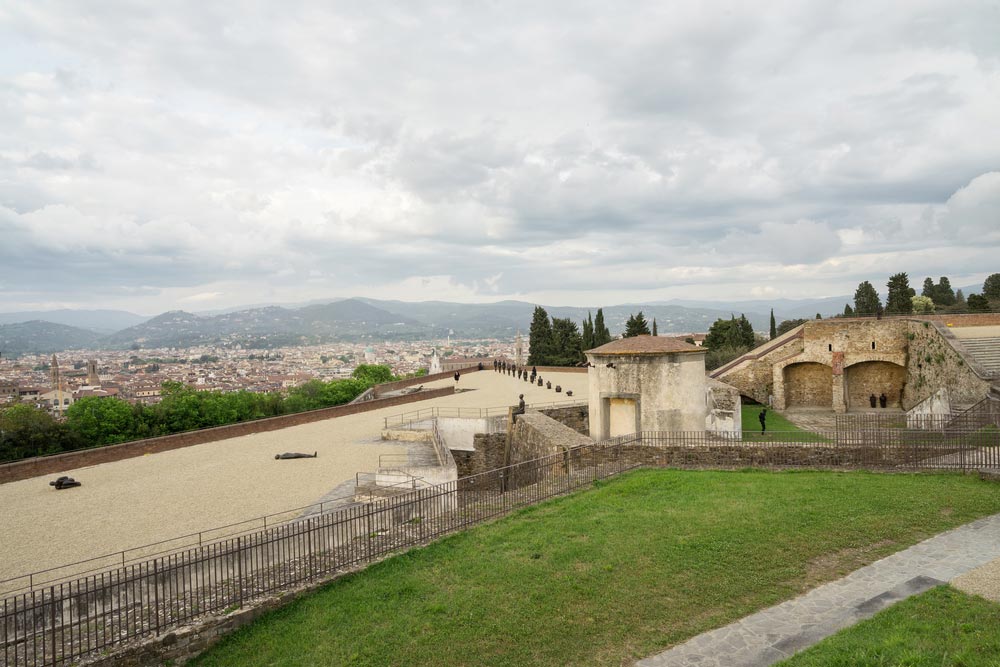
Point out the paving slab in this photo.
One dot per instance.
(776, 633)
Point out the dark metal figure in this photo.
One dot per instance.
(296, 455)
(65, 483)
(558, 388)
(548, 385)
(762, 418)
(519, 410)
(872, 400)
(882, 400)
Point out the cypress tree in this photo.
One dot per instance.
(774, 326)
(601, 333)
(654, 327)
(848, 311)
(588, 332)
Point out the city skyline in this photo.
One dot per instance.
(199, 158)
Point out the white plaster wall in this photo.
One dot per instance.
(458, 432)
(670, 388)
(923, 414)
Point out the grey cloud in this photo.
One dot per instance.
(562, 147)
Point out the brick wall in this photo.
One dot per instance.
(47, 465)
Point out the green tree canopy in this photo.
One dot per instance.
(636, 326)
(540, 338)
(848, 311)
(732, 333)
(898, 301)
(991, 287)
(372, 374)
(774, 327)
(567, 344)
(788, 325)
(866, 300)
(978, 303)
(102, 421)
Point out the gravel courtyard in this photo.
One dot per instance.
(137, 501)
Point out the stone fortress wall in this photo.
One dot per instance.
(841, 363)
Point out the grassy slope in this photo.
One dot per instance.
(941, 627)
(610, 574)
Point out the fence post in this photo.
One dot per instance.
(309, 546)
(239, 570)
(368, 529)
(156, 593)
(52, 601)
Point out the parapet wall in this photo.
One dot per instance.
(535, 435)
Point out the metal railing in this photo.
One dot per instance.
(65, 621)
(406, 420)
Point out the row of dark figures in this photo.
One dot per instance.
(882, 400)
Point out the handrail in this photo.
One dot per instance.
(472, 413)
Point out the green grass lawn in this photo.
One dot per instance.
(940, 627)
(610, 574)
(778, 428)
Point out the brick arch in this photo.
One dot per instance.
(875, 377)
(808, 384)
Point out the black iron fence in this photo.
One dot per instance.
(67, 620)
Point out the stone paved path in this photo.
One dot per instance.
(776, 633)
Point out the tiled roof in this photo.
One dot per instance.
(646, 345)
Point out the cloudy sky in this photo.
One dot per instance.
(200, 155)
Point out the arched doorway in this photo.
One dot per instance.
(808, 385)
(874, 378)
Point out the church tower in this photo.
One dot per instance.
(54, 376)
(93, 379)
(519, 350)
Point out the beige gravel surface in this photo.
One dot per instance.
(137, 501)
(975, 332)
(984, 581)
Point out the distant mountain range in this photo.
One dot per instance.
(362, 319)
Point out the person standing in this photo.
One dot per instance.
(762, 418)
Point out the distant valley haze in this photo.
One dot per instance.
(705, 156)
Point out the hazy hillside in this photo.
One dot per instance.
(101, 321)
(43, 337)
(371, 319)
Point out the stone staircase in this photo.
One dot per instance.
(986, 351)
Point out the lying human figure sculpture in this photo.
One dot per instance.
(65, 483)
(295, 455)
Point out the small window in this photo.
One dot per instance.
(830, 346)
(873, 345)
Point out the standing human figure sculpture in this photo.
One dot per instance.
(872, 400)
(882, 400)
(762, 418)
(457, 375)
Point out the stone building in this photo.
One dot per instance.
(840, 364)
(646, 383)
